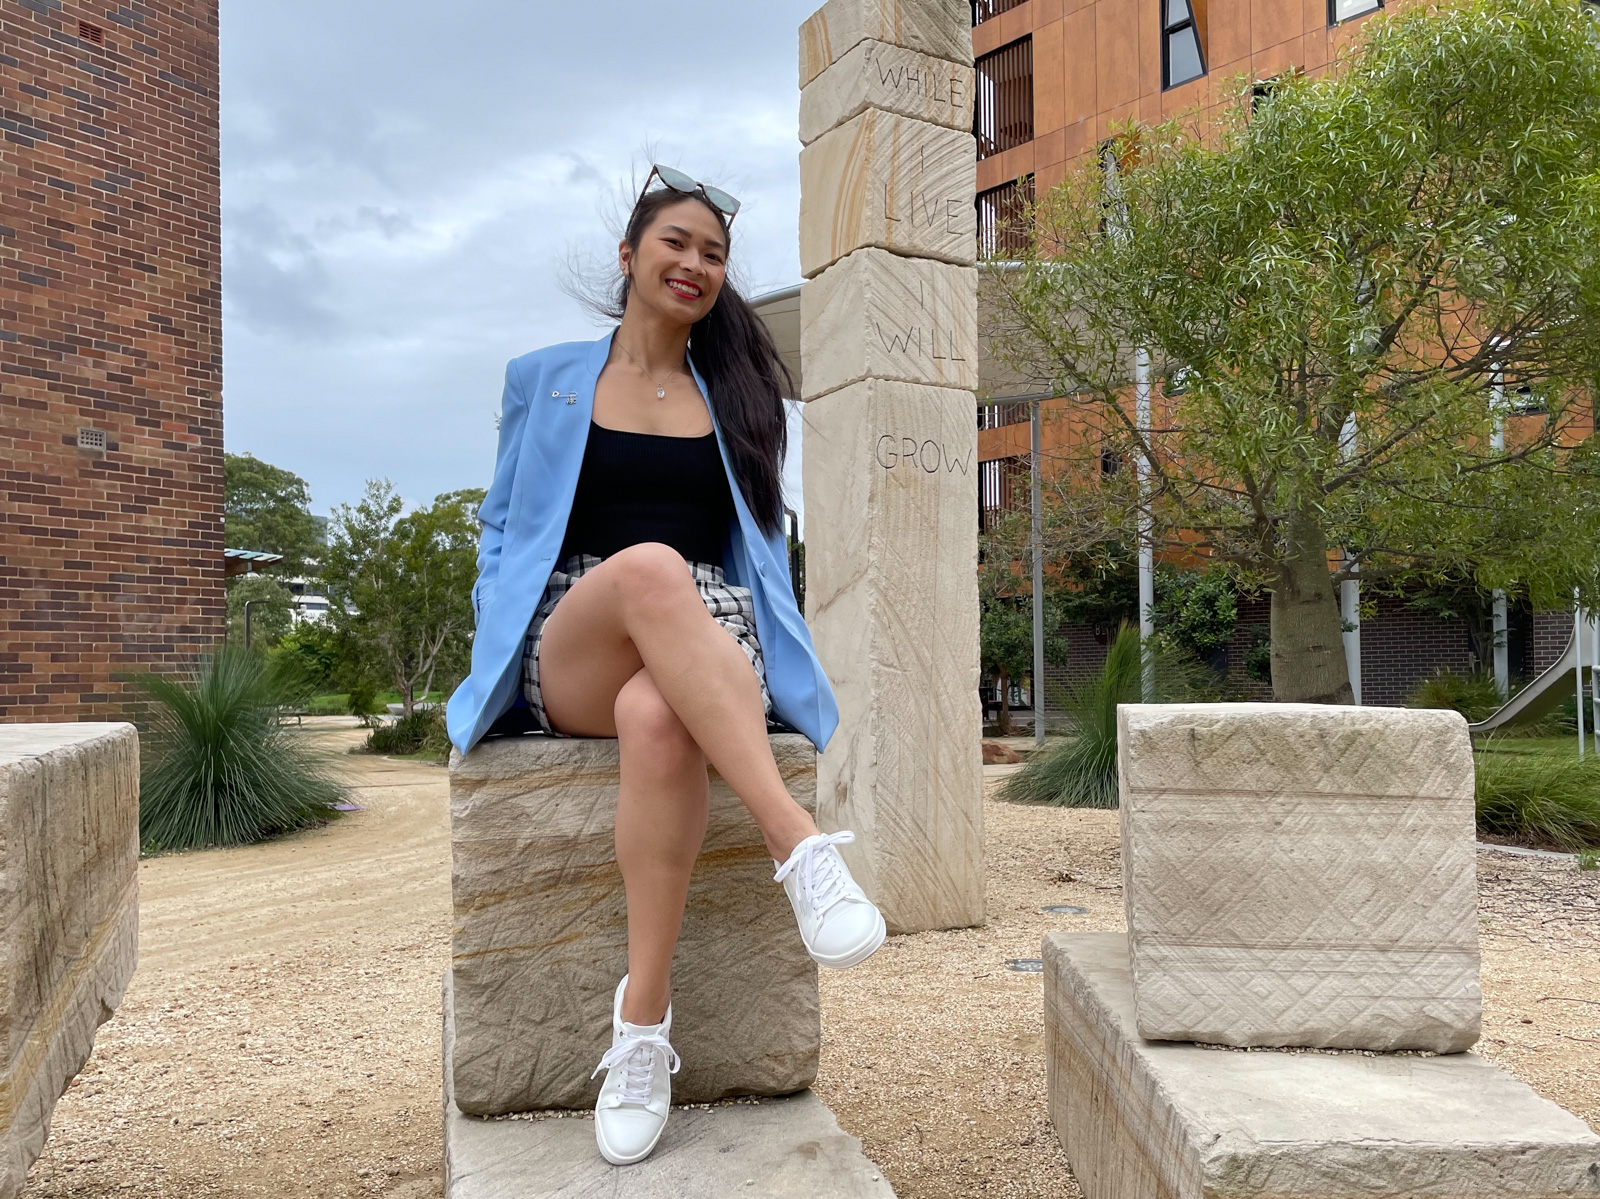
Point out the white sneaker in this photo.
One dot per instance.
(637, 1093)
(839, 924)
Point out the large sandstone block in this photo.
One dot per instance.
(69, 913)
(1300, 874)
(892, 601)
(876, 315)
(1153, 1120)
(540, 936)
(793, 1145)
(940, 28)
(894, 79)
(892, 182)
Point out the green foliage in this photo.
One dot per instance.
(1082, 772)
(1541, 797)
(268, 508)
(1258, 658)
(363, 701)
(271, 610)
(421, 731)
(400, 587)
(217, 767)
(1197, 611)
(1005, 635)
(1373, 250)
(311, 651)
(1474, 695)
(1589, 859)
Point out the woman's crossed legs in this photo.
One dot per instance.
(631, 652)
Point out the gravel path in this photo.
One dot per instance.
(281, 1036)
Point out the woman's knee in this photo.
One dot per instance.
(647, 725)
(650, 575)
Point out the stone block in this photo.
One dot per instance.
(1157, 1120)
(540, 934)
(876, 315)
(891, 598)
(1300, 874)
(874, 74)
(69, 911)
(790, 1148)
(892, 182)
(940, 28)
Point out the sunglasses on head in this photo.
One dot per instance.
(677, 181)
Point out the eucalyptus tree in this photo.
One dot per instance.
(1371, 301)
(400, 586)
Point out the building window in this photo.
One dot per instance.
(1002, 488)
(1003, 113)
(998, 416)
(1344, 10)
(984, 10)
(1003, 219)
(1181, 59)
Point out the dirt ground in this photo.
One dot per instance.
(281, 1036)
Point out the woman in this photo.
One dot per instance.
(633, 583)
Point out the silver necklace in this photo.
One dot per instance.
(661, 388)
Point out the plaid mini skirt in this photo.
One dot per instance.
(731, 607)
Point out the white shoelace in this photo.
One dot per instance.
(822, 883)
(635, 1056)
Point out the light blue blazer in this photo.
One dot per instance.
(544, 427)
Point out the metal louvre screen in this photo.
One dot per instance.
(983, 10)
(998, 416)
(1002, 218)
(1002, 488)
(1003, 112)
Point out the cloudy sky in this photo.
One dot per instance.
(405, 186)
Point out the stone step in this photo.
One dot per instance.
(773, 1148)
(1164, 1120)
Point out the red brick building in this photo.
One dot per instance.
(110, 349)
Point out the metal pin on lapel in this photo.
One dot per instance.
(570, 396)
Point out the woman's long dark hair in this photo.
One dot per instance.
(747, 381)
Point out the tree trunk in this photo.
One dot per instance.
(1308, 664)
(1003, 717)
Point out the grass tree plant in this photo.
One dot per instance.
(217, 765)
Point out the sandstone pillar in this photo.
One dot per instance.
(888, 236)
(69, 913)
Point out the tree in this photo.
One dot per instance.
(271, 610)
(268, 508)
(1005, 628)
(400, 587)
(1350, 292)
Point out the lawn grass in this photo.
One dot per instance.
(1537, 792)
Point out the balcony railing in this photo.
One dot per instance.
(984, 10)
(1003, 111)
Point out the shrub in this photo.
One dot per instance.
(421, 732)
(363, 702)
(218, 768)
(1474, 695)
(1197, 611)
(1082, 773)
(1547, 798)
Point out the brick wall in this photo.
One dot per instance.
(110, 320)
(1400, 646)
(1551, 632)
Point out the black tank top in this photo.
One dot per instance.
(636, 487)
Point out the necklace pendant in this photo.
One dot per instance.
(661, 392)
